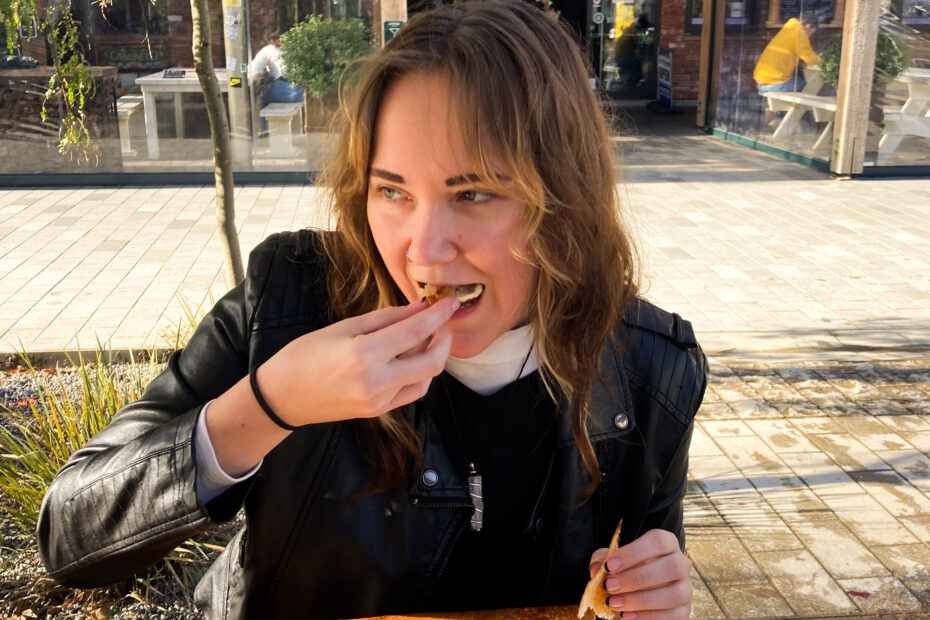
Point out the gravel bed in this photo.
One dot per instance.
(25, 589)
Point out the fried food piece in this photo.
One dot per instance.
(464, 292)
(595, 595)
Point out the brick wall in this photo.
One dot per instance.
(686, 49)
(173, 49)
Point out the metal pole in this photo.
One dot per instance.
(235, 41)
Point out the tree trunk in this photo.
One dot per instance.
(222, 147)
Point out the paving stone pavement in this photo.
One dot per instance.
(810, 489)
(810, 464)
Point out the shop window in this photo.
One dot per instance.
(740, 13)
(913, 14)
(128, 17)
(830, 12)
(694, 16)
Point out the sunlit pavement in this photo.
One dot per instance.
(810, 465)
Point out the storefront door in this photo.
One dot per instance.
(628, 49)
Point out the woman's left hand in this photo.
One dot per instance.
(648, 579)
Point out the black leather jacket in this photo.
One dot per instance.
(127, 498)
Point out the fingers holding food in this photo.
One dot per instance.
(648, 578)
(597, 561)
(650, 574)
(595, 595)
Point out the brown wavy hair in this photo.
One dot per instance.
(519, 87)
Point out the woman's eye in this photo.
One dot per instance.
(474, 195)
(390, 193)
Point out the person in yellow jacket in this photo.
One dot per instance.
(778, 64)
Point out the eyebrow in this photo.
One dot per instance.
(461, 179)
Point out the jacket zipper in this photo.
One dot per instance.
(445, 560)
(444, 503)
(441, 503)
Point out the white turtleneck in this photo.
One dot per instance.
(498, 365)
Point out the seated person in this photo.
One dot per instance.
(627, 51)
(777, 68)
(266, 75)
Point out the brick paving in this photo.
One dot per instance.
(810, 465)
(810, 489)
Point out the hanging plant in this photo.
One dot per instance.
(892, 57)
(72, 84)
(12, 15)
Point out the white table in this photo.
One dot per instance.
(910, 119)
(157, 83)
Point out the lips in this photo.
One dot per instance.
(465, 293)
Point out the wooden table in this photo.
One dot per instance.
(158, 83)
(568, 612)
(910, 119)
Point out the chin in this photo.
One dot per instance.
(464, 347)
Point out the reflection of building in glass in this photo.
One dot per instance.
(799, 122)
(132, 43)
(915, 12)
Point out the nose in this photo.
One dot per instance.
(431, 234)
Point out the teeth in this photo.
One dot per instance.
(464, 292)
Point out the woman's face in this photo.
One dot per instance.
(433, 223)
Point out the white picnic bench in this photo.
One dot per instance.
(126, 106)
(794, 105)
(280, 118)
(910, 119)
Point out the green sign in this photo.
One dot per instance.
(390, 29)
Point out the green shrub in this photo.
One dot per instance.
(38, 442)
(36, 439)
(317, 51)
(892, 57)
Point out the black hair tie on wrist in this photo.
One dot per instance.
(253, 381)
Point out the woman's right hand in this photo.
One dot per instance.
(360, 367)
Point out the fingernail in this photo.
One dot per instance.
(604, 584)
(613, 564)
(616, 602)
(422, 299)
(612, 584)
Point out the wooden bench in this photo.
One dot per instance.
(126, 106)
(280, 117)
(794, 105)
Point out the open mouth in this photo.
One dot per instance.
(467, 294)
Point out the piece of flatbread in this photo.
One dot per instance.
(463, 293)
(595, 595)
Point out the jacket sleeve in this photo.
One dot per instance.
(127, 497)
(666, 510)
(667, 363)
